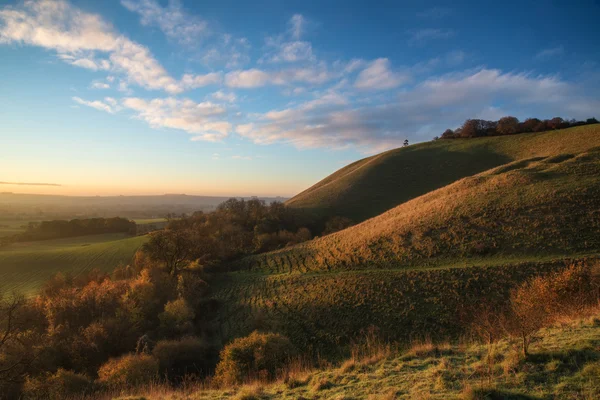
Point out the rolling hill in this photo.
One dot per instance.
(26, 266)
(415, 268)
(373, 185)
(525, 209)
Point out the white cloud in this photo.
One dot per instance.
(172, 20)
(550, 53)
(100, 85)
(198, 119)
(379, 76)
(97, 104)
(419, 37)
(416, 114)
(223, 96)
(190, 81)
(84, 40)
(297, 25)
(250, 78)
(293, 52)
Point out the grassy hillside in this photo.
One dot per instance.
(538, 207)
(26, 266)
(563, 364)
(375, 184)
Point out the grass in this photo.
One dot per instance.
(324, 311)
(376, 184)
(527, 209)
(26, 266)
(564, 364)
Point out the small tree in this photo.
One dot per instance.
(405, 144)
(259, 355)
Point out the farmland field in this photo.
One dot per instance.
(26, 266)
(11, 227)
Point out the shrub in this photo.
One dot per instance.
(178, 358)
(258, 355)
(128, 371)
(59, 385)
(177, 318)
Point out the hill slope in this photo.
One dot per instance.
(563, 365)
(526, 209)
(376, 184)
(26, 266)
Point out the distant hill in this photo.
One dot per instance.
(535, 207)
(37, 207)
(376, 184)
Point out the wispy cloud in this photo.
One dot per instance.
(550, 53)
(29, 184)
(172, 20)
(224, 96)
(297, 25)
(378, 76)
(202, 120)
(97, 104)
(421, 36)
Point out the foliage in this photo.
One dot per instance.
(235, 229)
(177, 319)
(509, 126)
(258, 355)
(186, 356)
(60, 385)
(129, 371)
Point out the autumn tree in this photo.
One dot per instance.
(507, 126)
(171, 247)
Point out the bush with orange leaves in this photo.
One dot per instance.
(129, 370)
(540, 302)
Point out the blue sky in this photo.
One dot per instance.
(267, 97)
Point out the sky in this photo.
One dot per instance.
(240, 98)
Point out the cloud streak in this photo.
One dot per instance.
(29, 184)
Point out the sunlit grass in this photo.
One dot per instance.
(26, 266)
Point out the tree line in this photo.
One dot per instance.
(57, 229)
(510, 126)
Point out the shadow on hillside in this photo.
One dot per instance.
(405, 174)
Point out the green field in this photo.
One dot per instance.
(26, 266)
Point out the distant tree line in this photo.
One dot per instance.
(510, 126)
(76, 227)
(235, 229)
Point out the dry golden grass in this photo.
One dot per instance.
(530, 207)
